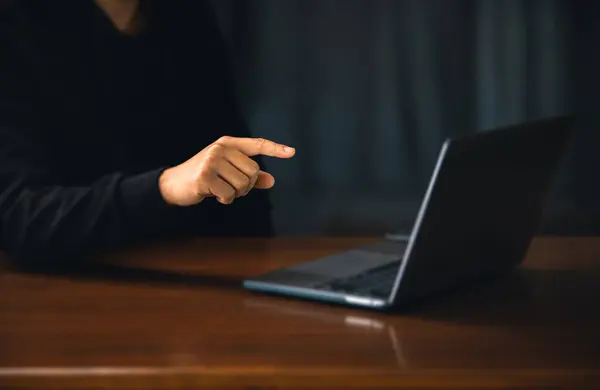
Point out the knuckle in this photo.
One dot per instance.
(205, 174)
(210, 161)
(215, 150)
(243, 184)
(260, 142)
(227, 195)
(224, 139)
(206, 170)
(254, 168)
(236, 186)
(230, 194)
(204, 177)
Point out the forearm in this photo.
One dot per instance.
(51, 225)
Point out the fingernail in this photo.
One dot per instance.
(287, 149)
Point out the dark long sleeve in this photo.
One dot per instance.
(43, 221)
(43, 218)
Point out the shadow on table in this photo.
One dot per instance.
(519, 298)
(109, 273)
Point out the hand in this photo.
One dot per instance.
(223, 169)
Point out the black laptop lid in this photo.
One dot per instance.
(485, 204)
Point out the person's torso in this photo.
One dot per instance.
(109, 103)
(113, 102)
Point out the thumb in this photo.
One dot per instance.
(265, 181)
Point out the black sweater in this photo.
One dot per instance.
(90, 117)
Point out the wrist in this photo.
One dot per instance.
(165, 186)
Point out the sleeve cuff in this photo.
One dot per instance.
(143, 204)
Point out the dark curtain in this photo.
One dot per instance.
(367, 91)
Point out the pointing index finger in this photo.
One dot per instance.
(255, 146)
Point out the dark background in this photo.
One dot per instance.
(367, 91)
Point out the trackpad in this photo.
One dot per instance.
(345, 264)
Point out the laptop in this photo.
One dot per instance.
(480, 212)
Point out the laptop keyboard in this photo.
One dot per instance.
(386, 247)
(376, 282)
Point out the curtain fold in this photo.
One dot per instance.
(368, 90)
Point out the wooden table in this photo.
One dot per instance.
(175, 316)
